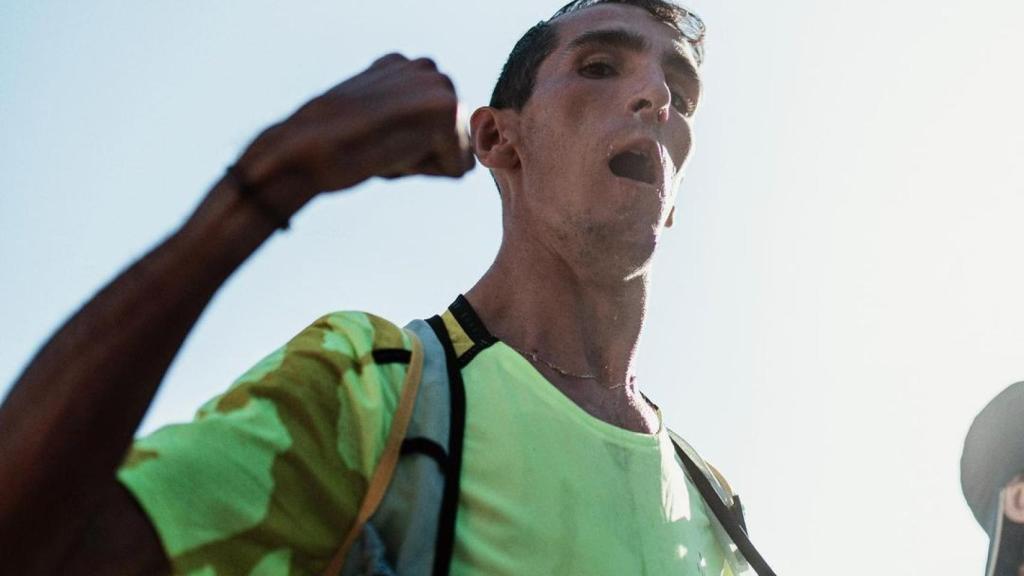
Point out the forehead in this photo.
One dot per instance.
(662, 36)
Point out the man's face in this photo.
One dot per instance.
(606, 135)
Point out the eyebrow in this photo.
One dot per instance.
(675, 60)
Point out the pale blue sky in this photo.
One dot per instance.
(841, 292)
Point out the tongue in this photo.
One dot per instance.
(633, 166)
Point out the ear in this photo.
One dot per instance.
(493, 136)
(671, 217)
(1013, 503)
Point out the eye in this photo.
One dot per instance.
(597, 70)
(682, 103)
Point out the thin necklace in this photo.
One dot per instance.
(567, 373)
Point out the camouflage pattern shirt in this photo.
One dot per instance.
(268, 477)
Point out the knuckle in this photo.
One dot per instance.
(439, 88)
(425, 63)
(447, 82)
(390, 58)
(441, 80)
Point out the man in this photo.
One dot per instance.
(992, 477)
(567, 467)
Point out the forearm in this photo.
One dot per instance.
(72, 414)
(70, 417)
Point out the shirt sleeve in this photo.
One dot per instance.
(268, 477)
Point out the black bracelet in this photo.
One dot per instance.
(250, 194)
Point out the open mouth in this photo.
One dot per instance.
(634, 166)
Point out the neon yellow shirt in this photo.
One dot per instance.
(268, 477)
(549, 489)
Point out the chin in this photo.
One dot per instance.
(618, 257)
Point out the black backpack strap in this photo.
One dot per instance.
(729, 519)
(453, 463)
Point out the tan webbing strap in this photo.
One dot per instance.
(723, 482)
(389, 459)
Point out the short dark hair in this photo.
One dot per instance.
(515, 84)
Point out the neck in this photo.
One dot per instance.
(538, 304)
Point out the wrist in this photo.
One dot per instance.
(271, 176)
(254, 198)
(225, 228)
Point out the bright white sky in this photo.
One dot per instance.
(840, 295)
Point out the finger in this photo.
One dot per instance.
(394, 157)
(428, 167)
(391, 58)
(449, 161)
(451, 149)
(465, 139)
(428, 163)
(431, 66)
(426, 63)
(463, 142)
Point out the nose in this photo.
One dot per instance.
(652, 98)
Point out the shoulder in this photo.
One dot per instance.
(281, 460)
(354, 334)
(344, 368)
(353, 360)
(335, 348)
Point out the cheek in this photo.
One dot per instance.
(562, 132)
(575, 105)
(682, 147)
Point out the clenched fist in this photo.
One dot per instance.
(398, 117)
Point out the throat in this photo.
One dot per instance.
(580, 336)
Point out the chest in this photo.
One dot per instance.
(548, 489)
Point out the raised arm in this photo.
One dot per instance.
(70, 417)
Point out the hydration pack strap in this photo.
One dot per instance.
(381, 478)
(731, 520)
(453, 464)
